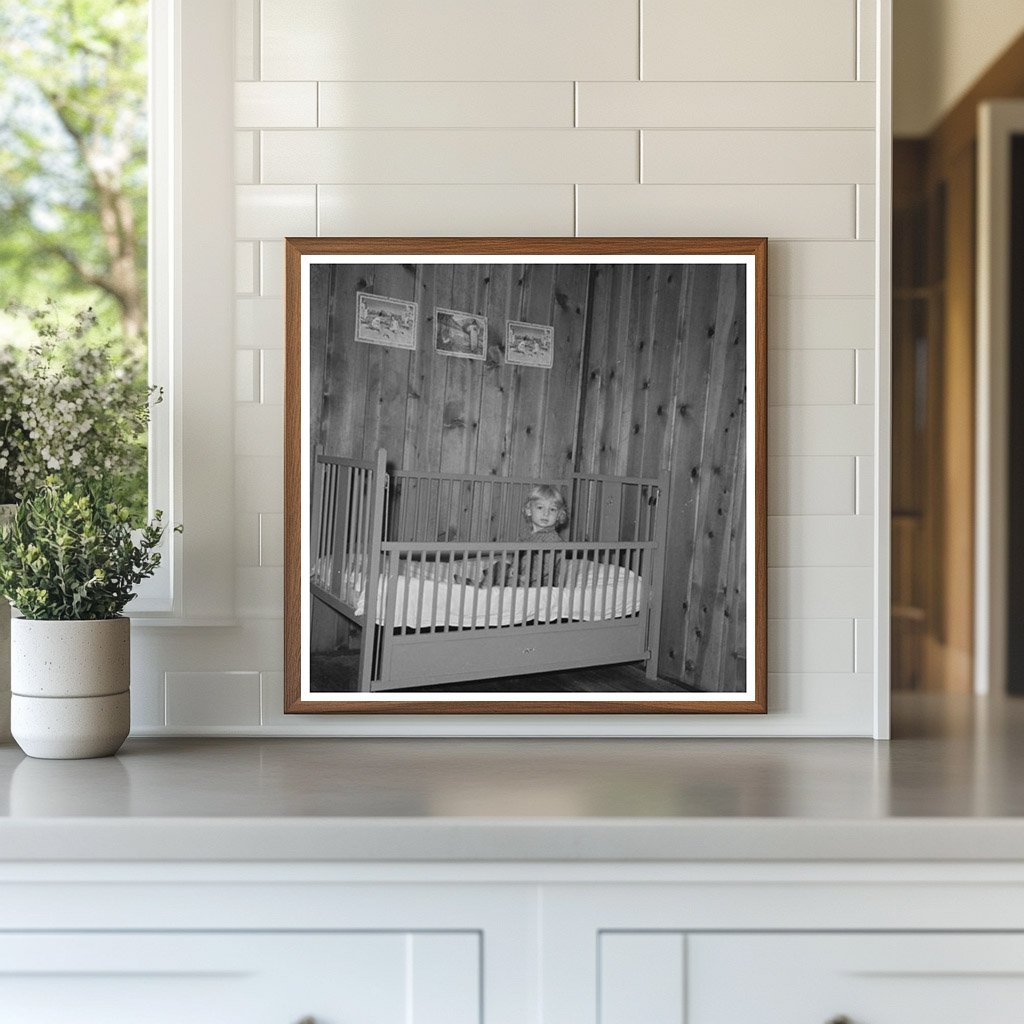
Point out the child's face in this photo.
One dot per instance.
(543, 513)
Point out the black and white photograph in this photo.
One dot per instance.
(530, 344)
(460, 334)
(385, 321)
(478, 536)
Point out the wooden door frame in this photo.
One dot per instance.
(998, 121)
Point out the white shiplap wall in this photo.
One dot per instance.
(555, 117)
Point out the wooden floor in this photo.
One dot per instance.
(337, 673)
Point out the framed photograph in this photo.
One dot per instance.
(381, 320)
(530, 344)
(467, 536)
(460, 334)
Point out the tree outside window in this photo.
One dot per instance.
(73, 173)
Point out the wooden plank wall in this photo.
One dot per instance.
(435, 412)
(664, 392)
(648, 378)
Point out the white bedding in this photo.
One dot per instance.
(591, 592)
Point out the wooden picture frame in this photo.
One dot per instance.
(469, 536)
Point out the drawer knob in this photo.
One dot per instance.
(841, 1019)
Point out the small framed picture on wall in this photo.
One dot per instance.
(530, 344)
(460, 334)
(385, 321)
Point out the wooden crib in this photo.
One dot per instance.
(410, 557)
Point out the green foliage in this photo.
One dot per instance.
(74, 408)
(71, 554)
(73, 155)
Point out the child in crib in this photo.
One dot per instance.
(544, 513)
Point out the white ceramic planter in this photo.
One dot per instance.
(69, 684)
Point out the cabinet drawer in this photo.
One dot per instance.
(241, 978)
(865, 978)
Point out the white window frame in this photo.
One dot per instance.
(191, 289)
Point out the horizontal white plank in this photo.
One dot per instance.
(247, 645)
(865, 376)
(247, 539)
(246, 49)
(271, 539)
(446, 210)
(271, 376)
(259, 323)
(245, 268)
(449, 40)
(811, 486)
(259, 484)
(821, 268)
(821, 430)
(829, 592)
(448, 157)
(837, 323)
(805, 540)
(867, 25)
(726, 105)
(273, 211)
(245, 158)
(776, 211)
(275, 104)
(259, 429)
(271, 269)
(812, 376)
(864, 645)
(827, 703)
(775, 157)
(865, 485)
(866, 211)
(259, 593)
(734, 40)
(212, 698)
(246, 375)
(810, 645)
(446, 105)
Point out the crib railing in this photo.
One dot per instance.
(511, 586)
(348, 509)
(489, 509)
(614, 508)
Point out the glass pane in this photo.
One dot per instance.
(73, 241)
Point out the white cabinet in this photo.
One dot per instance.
(511, 943)
(241, 978)
(817, 978)
(868, 979)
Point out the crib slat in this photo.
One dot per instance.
(448, 598)
(476, 589)
(405, 594)
(462, 600)
(490, 591)
(433, 599)
(615, 582)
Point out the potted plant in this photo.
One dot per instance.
(69, 563)
(73, 407)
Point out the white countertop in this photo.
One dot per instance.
(948, 787)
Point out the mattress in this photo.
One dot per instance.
(431, 594)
